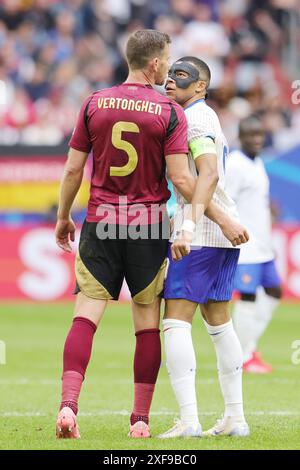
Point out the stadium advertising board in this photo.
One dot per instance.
(34, 268)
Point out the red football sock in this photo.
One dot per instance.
(147, 361)
(71, 385)
(77, 353)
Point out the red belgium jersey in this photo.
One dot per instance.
(130, 129)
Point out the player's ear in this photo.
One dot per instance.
(156, 63)
(200, 86)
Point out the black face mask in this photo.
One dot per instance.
(187, 67)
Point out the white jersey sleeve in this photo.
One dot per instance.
(200, 125)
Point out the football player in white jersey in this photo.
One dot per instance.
(248, 185)
(205, 276)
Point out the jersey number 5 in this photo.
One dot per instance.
(120, 144)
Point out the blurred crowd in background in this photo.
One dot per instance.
(53, 54)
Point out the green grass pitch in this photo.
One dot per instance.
(34, 335)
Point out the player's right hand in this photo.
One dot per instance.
(64, 233)
(235, 232)
(182, 245)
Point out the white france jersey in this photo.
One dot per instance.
(202, 122)
(248, 185)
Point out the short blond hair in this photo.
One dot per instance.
(144, 45)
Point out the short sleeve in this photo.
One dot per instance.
(176, 135)
(80, 139)
(200, 125)
(201, 133)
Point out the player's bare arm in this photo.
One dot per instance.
(182, 179)
(206, 184)
(180, 175)
(70, 184)
(232, 229)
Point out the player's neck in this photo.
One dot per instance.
(192, 100)
(139, 76)
(249, 154)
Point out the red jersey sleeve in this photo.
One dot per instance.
(80, 139)
(176, 137)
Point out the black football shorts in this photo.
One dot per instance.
(102, 264)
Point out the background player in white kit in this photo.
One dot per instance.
(248, 185)
(205, 276)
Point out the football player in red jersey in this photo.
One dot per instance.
(134, 134)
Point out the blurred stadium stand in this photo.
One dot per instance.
(53, 54)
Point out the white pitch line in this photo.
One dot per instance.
(204, 413)
(17, 414)
(93, 381)
(210, 381)
(13, 414)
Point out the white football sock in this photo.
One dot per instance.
(181, 365)
(265, 306)
(230, 363)
(251, 320)
(244, 318)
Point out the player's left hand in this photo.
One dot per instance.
(181, 245)
(64, 233)
(234, 232)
